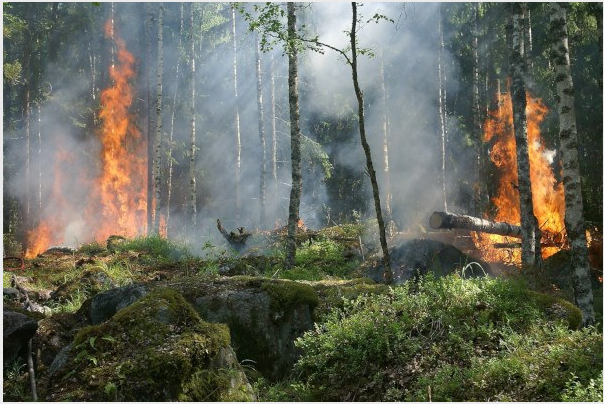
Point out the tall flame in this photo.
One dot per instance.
(548, 195)
(114, 201)
(122, 185)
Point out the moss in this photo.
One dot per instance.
(557, 309)
(151, 350)
(288, 294)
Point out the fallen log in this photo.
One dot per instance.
(444, 220)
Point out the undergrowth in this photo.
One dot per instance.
(449, 339)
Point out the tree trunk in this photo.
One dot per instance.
(444, 220)
(273, 128)
(192, 206)
(367, 150)
(169, 151)
(262, 135)
(476, 119)
(39, 165)
(573, 219)
(150, 126)
(26, 116)
(295, 135)
(530, 247)
(237, 127)
(441, 111)
(158, 121)
(385, 141)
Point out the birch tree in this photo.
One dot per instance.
(442, 100)
(531, 240)
(192, 199)
(158, 121)
(236, 112)
(295, 133)
(262, 136)
(171, 138)
(385, 142)
(573, 219)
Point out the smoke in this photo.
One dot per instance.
(407, 49)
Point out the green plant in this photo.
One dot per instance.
(155, 246)
(72, 303)
(577, 392)
(461, 339)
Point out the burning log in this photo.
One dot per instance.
(444, 220)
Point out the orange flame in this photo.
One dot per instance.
(51, 230)
(122, 186)
(548, 195)
(116, 199)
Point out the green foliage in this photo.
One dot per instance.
(12, 72)
(456, 334)
(313, 153)
(577, 392)
(155, 246)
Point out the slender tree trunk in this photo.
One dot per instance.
(26, 116)
(530, 237)
(150, 126)
(158, 121)
(237, 127)
(192, 146)
(374, 185)
(528, 37)
(273, 128)
(573, 219)
(385, 141)
(441, 110)
(39, 164)
(476, 118)
(169, 151)
(294, 114)
(262, 135)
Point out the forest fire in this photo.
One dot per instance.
(116, 195)
(122, 185)
(548, 195)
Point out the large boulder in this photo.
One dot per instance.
(265, 317)
(156, 349)
(17, 330)
(421, 256)
(104, 305)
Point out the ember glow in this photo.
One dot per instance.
(548, 195)
(115, 201)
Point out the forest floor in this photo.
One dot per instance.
(62, 280)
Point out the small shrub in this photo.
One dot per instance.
(155, 246)
(577, 392)
(462, 340)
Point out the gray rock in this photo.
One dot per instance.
(104, 305)
(11, 293)
(263, 330)
(17, 330)
(60, 360)
(420, 257)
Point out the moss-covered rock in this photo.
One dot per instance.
(265, 316)
(157, 349)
